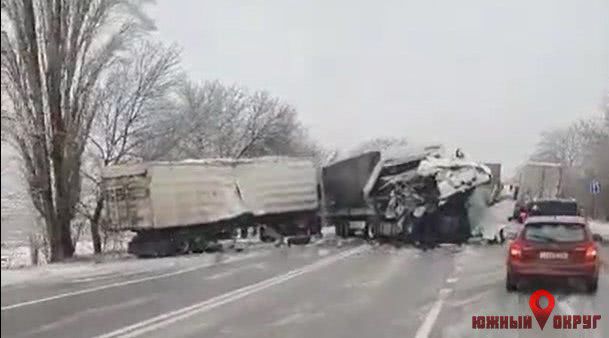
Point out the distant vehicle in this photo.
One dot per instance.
(553, 207)
(546, 207)
(553, 247)
(538, 180)
(538, 207)
(186, 206)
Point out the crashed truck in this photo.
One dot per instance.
(187, 206)
(389, 194)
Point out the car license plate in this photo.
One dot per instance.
(553, 255)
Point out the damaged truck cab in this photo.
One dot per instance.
(413, 196)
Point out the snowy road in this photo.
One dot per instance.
(355, 290)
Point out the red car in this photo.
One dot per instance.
(553, 247)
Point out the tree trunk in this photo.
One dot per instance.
(60, 239)
(97, 245)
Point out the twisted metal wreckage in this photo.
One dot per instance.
(418, 195)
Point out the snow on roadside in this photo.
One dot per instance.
(90, 271)
(17, 255)
(600, 227)
(491, 219)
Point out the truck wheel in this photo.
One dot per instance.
(182, 247)
(262, 234)
(371, 230)
(198, 245)
(339, 229)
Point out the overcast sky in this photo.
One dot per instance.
(487, 76)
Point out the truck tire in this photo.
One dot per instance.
(198, 244)
(371, 229)
(338, 230)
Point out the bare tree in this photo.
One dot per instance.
(582, 147)
(134, 94)
(563, 146)
(54, 54)
(268, 127)
(227, 121)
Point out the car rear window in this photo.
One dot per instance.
(549, 208)
(554, 232)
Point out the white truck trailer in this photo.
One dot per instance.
(179, 207)
(537, 180)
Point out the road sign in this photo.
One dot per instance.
(595, 187)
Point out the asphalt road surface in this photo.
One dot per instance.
(352, 290)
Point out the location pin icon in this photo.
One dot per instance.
(541, 314)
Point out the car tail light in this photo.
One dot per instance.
(591, 252)
(516, 250)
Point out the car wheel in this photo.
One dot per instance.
(592, 285)
(511, 284)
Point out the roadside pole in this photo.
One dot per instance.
(593, 206)
(595, 189)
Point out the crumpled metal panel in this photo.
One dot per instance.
(275, 185)
(172, 194)
(194, 194)
(424, 180)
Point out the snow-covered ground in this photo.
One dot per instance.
(87, 271)
(110, 265)
(17, 254)
(601, 228)
(489, 220)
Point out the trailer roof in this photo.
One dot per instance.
(140, 168)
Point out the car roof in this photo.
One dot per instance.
(556, 219)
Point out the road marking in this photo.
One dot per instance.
(127, 282)
(168, 318)
(425, 328)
